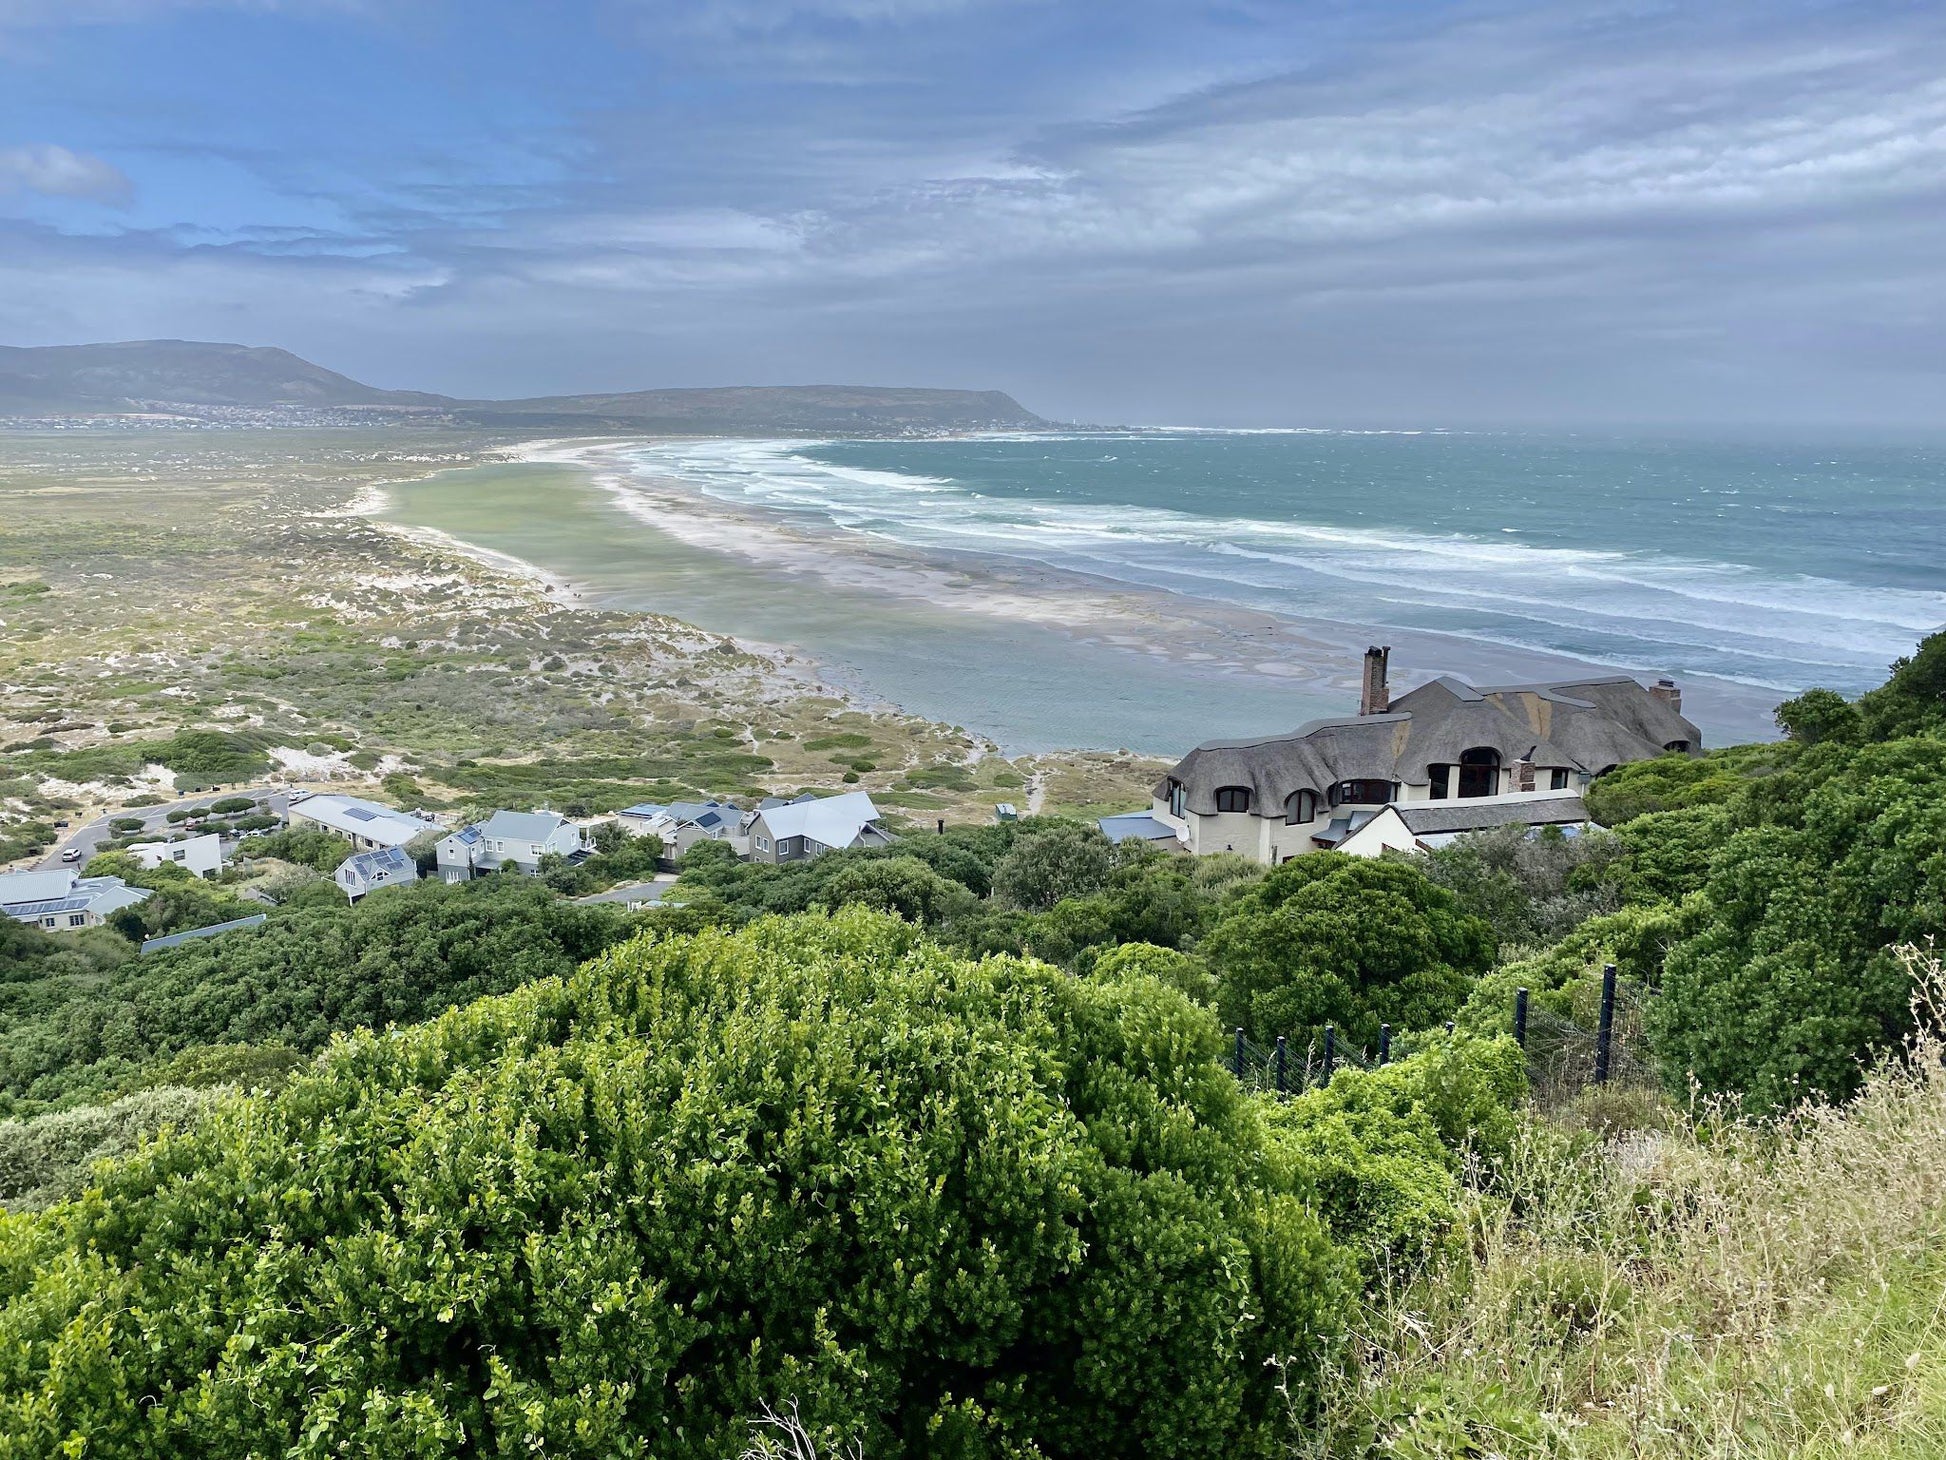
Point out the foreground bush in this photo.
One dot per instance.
(946, 1208)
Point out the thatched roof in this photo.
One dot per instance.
(1581, 725)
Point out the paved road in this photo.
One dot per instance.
(155, 818)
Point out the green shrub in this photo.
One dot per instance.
(1788, 985)
(944, 1208)
(1347, 941)
(49, 1157)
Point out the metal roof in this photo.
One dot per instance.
(1136, 825)
(522, 826)
(836, 821)
(175, 940)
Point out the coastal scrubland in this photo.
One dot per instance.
(952, 1147)
(206, 609)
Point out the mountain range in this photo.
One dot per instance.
(202, 381)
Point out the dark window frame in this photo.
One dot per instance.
(1301, 806)
(1232, 800)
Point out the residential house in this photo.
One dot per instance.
(1527, 750)
(369, 825)
(202, 855)
(684, 823)
(365, 872)
(797, 830)
(508, 838)
(61, 899)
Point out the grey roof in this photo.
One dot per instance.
(650, 891)
(1137, 826)
(63, 892)
(1341, 828)
(836, 821)
(643, 809)
(1427, 818)
(701, 813)
(367, 865)
(1585, 725)
(522, 826)
(173, 940)
(26, 887)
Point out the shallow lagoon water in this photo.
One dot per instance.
(1028, 688)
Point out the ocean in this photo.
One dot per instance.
(1238, 573)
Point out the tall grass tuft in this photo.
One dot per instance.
(1674, 1287)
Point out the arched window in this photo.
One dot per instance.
(1300, 807)
(1232, 798)
(1479, 771)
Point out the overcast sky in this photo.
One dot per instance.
(1225, 212)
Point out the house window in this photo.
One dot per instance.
(762, 845)
(49, 922)
(1479, 771)
(1300, 807)
(76, 920)
(1361, 793)
(1680, 746)
(1178, 799)
(1439, 781)
(1557, 780)
(1232, 798)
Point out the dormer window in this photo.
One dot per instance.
(1557, 780)
(1232, 799)
(1361, 793)
(1178, 799)
(1300, 807)
(1479, 771)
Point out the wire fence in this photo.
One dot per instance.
(1564, 1056)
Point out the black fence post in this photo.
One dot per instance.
(1237, 1067)
(1520, 1017)
(1330, 1051)
(1384, 1043)
(1605, 1033)
(942, 826)
(1281, 1085)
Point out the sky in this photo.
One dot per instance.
(1215, 212)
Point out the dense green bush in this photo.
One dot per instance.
(1347, 941)
(1789, 984)
(945, 1208)
(307, 846)
(305, 975)
(49, 1157)
(1381, 1150)
(1050, 861)
(1531, 886)
(1676, 782)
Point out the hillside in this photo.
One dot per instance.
(140, 373)
(198, 379)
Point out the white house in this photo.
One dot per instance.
(793, 831)
(364, 872)
(369, 825)
(202, 855)
(60, 900)
(1446, 757)
(517, 838)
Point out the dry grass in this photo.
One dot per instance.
(1717, 1288)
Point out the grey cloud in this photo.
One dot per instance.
(59, 172)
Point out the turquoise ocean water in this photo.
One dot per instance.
(1769, 565)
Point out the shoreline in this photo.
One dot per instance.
(1143, 668)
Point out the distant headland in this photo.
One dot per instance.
(199, 382)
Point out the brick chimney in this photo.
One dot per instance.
(1376, 697)
(1524, 772)
(1665, 690)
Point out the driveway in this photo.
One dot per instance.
(156, 819)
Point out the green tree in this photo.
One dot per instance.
(947, 1208)
(1051, 860)
(1790, 984)
(1348, 941)
(1819, 715)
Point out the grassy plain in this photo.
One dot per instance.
(157, 581)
